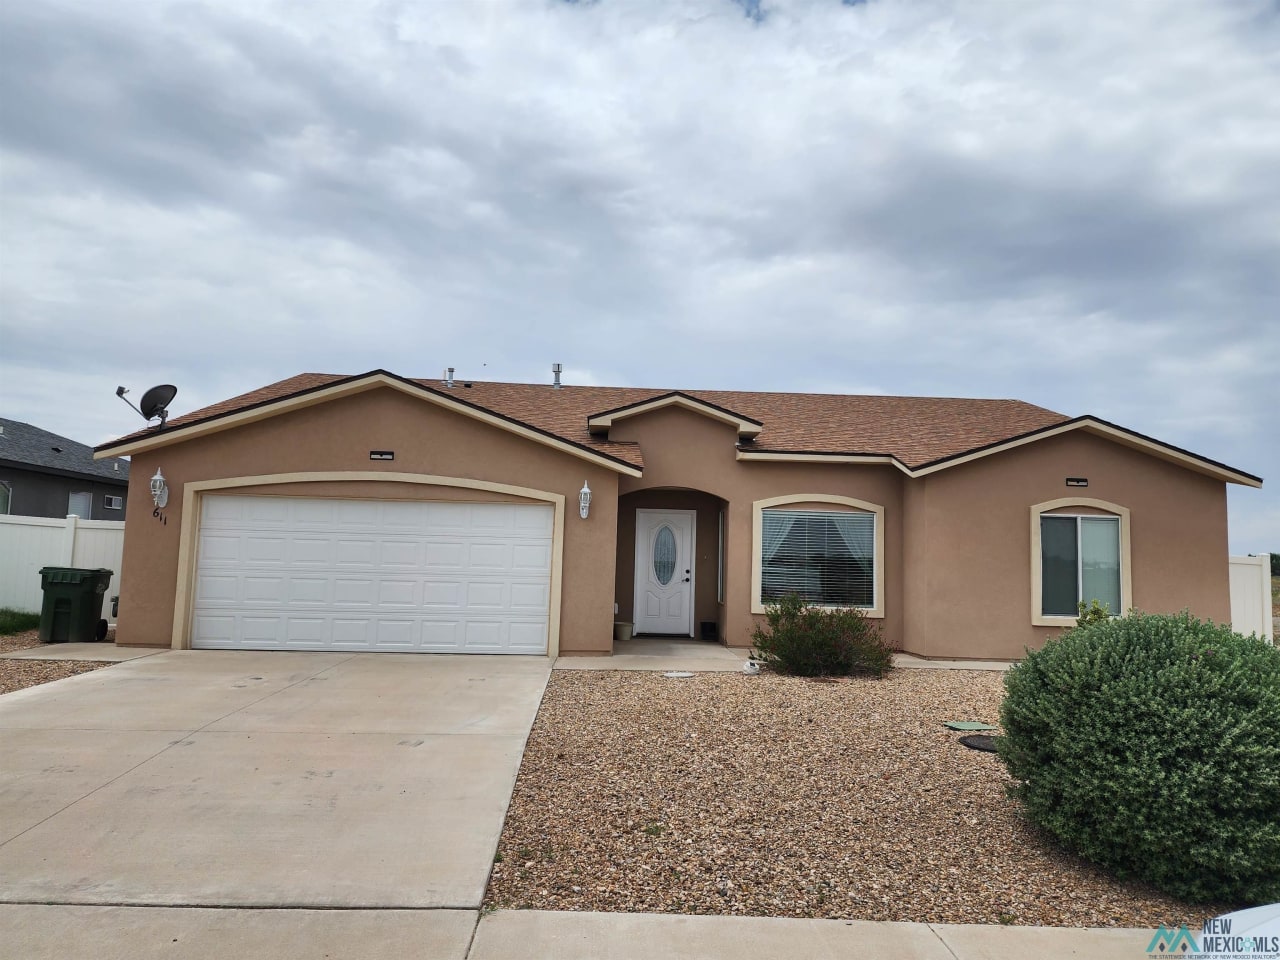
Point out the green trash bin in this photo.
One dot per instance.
(72, 605)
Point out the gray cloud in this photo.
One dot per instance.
(1070, 203)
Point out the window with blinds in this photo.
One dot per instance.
(828, 558)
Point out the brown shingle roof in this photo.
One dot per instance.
(915, 430)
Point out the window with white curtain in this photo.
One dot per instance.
(827, 557)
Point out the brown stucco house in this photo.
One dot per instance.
(375, 512)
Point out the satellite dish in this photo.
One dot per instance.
(155, 402)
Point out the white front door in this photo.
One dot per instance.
(664, 571)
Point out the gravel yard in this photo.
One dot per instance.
(19, 641)
(17, 674)
(773, 796)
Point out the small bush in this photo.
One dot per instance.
(820, 642)
(1151, 746)
(16, 621)
(1093, 613)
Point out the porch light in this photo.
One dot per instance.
(584, 500)
(159, 490)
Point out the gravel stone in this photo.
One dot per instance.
(19, 674)
(778, 796)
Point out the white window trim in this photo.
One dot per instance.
(1038, 619)
(757, 540)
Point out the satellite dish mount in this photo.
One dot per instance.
(155, 402)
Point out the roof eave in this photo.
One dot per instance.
(748, 428)
(1096, 425)
(350, 386)
(1104, 428)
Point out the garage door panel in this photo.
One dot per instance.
(398, 593)
(530, 556)
(483, 636)
(259, 550)
(310, 551)
(217, 589)
(219, 549)
(401, 634)
(442, 593)
(489, 555)
(304, 590)
(527, 636)
(356, 553)
(445, 555)
(530, 596)
(347, 592)
(290, 573)
(487, 594)
(443, 636)
(400, 553)
(303, 633)
(352, 633)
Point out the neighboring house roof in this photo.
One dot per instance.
(23, 445)
(917, 434)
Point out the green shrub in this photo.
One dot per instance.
(820, 642)
(1095, 612)
(1151, 746)
(16, 621)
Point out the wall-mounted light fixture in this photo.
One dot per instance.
(584, 500)
(159, 490)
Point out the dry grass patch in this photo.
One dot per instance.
(772, 796)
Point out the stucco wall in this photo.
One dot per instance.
(968, 543)
(684, 449)
(337, 436)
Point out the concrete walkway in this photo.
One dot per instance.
(651, 653)
(139, 933)
(646, 653)
(102, 652)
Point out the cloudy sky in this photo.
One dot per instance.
(1072, 203)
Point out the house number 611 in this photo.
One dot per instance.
(160, 516)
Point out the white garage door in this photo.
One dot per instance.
(288, 573)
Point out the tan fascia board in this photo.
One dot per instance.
(747, 429)
(1111, 432)
(349, 388)
(872, 459)
(1089, 424)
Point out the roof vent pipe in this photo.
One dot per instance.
(448, 378)
(555, 370)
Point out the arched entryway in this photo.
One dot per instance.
(670, 565)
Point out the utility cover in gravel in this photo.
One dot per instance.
(775, 796)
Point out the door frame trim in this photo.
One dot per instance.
(693, 564)
(192, 504)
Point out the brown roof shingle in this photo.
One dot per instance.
(915, 430)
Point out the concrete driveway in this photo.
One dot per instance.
(263, 780)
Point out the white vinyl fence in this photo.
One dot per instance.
(29, 543)
(1251, 596)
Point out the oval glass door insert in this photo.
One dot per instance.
(664, 556)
